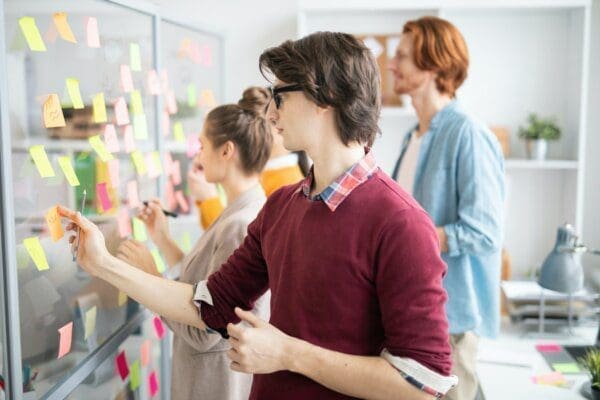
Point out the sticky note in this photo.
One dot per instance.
(548, 347)
(134, 375)
(137, 106)
(113, 172)
(193, 146)
(140, 127)
(167, 162)
(74, 93)
(139, 230)
(170, 195)
(121, 113)
(551, 379)
(178, 132)
(138, 162)
(62, 25)
(66, 336)
(171, 102)
(32, 34)
(195, 53)
(122, 298)
(154, 164)
(99, 147)
(153, 82)
(176, 172)
(182, 201)
(128, 139)
(159, 328)
(36, 252)
(186, 242)
(153, 384)
(145, 352)
(208, 98)
(124, 223)
(166, 124)
(99, 108)
(110, 139)
(53, 115)
(51, 34)
(91, 32)
(135, 59)
(133, 195)
(54, 225)
(103, 196)
(122, 367)
(191, 95)
(158, 261)
(207, 55)
(66, 166)
(40, 158)
(90, 322)
(126, 78)
(566, 368)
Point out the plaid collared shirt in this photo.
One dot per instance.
(334, 194)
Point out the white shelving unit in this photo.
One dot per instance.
(525, 56)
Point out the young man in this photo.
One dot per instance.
(352, 261)
(453, 166)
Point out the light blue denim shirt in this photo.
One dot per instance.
(459, 181)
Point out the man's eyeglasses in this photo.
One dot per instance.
(276, 92)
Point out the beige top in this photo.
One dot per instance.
(200, 367)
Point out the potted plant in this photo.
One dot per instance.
(536, 135)
(591, 362)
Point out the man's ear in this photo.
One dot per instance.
(228, 150)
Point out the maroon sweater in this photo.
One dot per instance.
(363, 278)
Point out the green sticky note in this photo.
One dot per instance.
(137, 106)
(191, 94)
(32, 34)
(160, 264)
(74, 93)
(138, 162)
(566, 368)
(178, 132)
(139, 230)
(134, 375)
(140, 127)
(186, 242)
(135, 60)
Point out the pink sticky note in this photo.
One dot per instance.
(113, 172)
(124, 222)
(182, 201)
(133, 195)
(129, 139)
(145, 352)
(167, 162)
(153, 384)
(110, 138)
(91, 31)
(170, 195)
(164, 80)
(193, 146)
(195, 54)
(66, 334)
(121, 112)
(548, 347)
(171, 102)
(153, 82)
(176, 172)
(207, 55)
(166, 124)
(103, 196)
(122, 367)
(126, 79)
(159, 328)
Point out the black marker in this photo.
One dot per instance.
(167, 213)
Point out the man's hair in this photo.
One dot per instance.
(336, 70)
(439, 46)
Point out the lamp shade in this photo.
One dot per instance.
(562, 270)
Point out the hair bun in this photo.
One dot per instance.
(255, 99)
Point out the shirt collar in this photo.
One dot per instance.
(334, 194)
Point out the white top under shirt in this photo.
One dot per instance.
(406, 175)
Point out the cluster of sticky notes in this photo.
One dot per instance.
(159, 327)
(52, 111)
(42, 163)
(54, 225)
(36, 252)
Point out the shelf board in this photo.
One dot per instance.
(405, 112)
(516, 163)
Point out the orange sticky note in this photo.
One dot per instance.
(67, 167)
(182, 201)
(99, 147)
(36, 252)
(124, 222)
(132, 194)
(53, 115)
(135, 58)
(54, 225)
(99, 108)
(121, 113)
(153, 82)
(40, 158)
(91, 31)
(145, 352)
(113, 172)
(62, 25)
(66, 335)
(138, 161)
(128, 139)
(126, 79)
(74, 93)
(32, 34)
(110, 139)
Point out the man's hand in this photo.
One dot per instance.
(138, 255)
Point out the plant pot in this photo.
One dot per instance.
(536, 149)
(595, 393)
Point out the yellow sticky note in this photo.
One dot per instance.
(100, 149)
(138, 161)
(137, 107)
(67, 168)
(62, 25)
(122, 298)
(135, 60)
(139, 230)
(99, 108)
(36, 252)
(178, 132)
(156, 162)
(90, 321)
(158, 261)
(74, 94)
(54, 225)
(53, 115)
(32, 34)
(191, 94)
(566, 368)
(140, 127)
(186, 242)
(40, 158)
